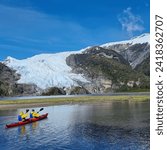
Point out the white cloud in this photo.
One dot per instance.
(130, 22)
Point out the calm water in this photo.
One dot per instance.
(104, 126)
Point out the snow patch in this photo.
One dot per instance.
(144, 38)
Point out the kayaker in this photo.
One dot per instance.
(34, 114)
(22, 116)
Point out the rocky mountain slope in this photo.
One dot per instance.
(115, 66)
(9, 85)
(134, 51)
(106, 71)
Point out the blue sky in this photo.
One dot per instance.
(30, 27)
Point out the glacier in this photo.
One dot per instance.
(46, 70)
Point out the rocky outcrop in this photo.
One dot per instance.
(77, 90)
(25, 89)
(144, 67)
(9, 85)
(77, 59)
(134, 54)
(7, 74)
(54, 91)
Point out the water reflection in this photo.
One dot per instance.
(22, 130)
(116, 114)
(25, 132)
(34, 125)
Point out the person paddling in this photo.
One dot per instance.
(22, 116)
(34, 114)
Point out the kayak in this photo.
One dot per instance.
(30, 120)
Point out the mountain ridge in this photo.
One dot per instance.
(53, 70)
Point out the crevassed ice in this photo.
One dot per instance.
(46, 70)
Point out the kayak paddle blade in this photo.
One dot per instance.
(41, 109)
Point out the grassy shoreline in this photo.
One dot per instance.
(68, 100)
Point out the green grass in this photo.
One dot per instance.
(134, 90)
(70, 100)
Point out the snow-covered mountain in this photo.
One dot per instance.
(50, 70)
(45, 70)
(144, 38)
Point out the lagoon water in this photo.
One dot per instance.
(118, 125)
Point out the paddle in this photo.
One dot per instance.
(40, 110)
